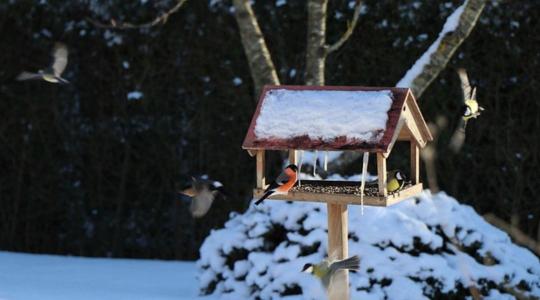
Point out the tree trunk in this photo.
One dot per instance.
(316, 42)
(261, 67)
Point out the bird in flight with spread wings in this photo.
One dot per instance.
(53, 73)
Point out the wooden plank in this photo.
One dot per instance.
(412, 126)
(261, 180)
(293, 157)
(397, 132)
(404, 134)
(338, 248)
(404, 194)
(345, 199)
(381, 173)
(415, 111)
(415, 162)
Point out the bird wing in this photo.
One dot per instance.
(282, 178)
(201, 204)
(351, 263)
(189, 192)
(465, 85)
(60, 58)
(28, 76)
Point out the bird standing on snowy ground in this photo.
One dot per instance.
(202, 194)
(470, 108)
(54, 72)
(283, 183)
(327, 268)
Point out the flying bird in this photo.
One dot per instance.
(326, 269)
(201, 193)
(470, 108)
(53, 73)
(283, 183)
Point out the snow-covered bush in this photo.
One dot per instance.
(426, 247)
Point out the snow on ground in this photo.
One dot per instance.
(324, 114)
(427, 247)
(43, 277)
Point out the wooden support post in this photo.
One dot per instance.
(261, 184)
(381, 173)
(293, 157)
(338, 248)
(415, 162)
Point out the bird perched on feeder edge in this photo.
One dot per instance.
(283, 183)
(470, 108)
(53, 73)
(326, 269)
(395, 180)
(202, 193)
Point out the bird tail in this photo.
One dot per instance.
(351, 263)
(266, 195)
(464, 125)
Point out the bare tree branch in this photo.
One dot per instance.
(434, 60)
(517, 235)
(350, 29)
(161, 19)
(261, 66)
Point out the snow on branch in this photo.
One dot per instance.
(350, 29)
(161, 19)
(456, 29)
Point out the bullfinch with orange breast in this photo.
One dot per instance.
(283, 183)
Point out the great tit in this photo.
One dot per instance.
(326, 269)
(470, 108)
(54, 72)
(395, 181)
(283, 183)
(201, 194)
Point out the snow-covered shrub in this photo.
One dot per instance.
(428, 247)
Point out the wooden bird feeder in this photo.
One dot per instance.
(395, 117)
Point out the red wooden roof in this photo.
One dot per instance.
(399, 96)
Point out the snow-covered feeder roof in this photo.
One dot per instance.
(335, 118)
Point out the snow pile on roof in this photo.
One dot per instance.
(450, 25)
(429, 247)
(324, 114)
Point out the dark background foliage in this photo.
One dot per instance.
(85, 171)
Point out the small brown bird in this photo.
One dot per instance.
(283, 183)
(202, 194)
(53, 73)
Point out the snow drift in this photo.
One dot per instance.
(422, 248)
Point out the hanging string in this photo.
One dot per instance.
(300, 167)
(363, 180)
(315, 157)
(326, 161)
